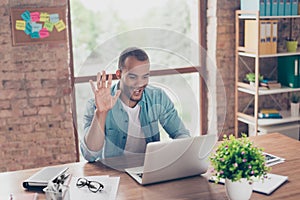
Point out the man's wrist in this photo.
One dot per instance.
(100, 114)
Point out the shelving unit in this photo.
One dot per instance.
(241, 87)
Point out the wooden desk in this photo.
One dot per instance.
(196, 187)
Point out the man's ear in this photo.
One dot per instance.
(118, 74)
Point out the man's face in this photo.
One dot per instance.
(134, 77)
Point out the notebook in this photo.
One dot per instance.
(40, 179)
(265, 186)
(168, 160)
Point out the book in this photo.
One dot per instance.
(269, 110)
(40, 179)
(274, 85)
(268, 81)
(269, 115)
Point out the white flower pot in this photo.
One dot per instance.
(238, 190)
(295, 109)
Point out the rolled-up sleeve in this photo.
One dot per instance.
(90, 156)
(88, 121)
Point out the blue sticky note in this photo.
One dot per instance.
(28, 29)
(36, 27)
(35, 35)
(54, 18)
(26, 16)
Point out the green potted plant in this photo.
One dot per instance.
(240, 163)
(295, 105)
(250, 77)
(291, 42)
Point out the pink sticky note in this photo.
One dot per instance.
(44, 33)
(35, 16)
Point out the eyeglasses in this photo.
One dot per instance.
(93, 186)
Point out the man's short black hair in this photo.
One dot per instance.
(138, 53)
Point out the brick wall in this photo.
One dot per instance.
(225, 56)
(35, 104)
(221, 46)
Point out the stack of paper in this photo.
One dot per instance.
(109, 192)
(272, 159)
(264, 186)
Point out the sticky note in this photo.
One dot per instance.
(26, 16)
(20, 25)
(44, 17)
(35, 35)
(49, 26)
(54, 18)
(44, 33)
(35, 16)
(28, 28)
(36, 27)
(60, 26)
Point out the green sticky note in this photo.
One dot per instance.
(49, 26)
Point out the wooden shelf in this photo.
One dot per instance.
(248, 119)
(246, 88)
(253, 55)
(241, 51)
(252, 15)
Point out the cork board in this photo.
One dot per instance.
(38, 25)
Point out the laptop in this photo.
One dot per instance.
(173, 159)
(40, 179)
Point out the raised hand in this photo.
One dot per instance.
(103, 99)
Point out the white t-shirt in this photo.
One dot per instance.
(136, 142)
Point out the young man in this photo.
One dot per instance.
(124, 117)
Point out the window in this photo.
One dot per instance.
(167, 29)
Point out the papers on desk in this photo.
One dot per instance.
(27, 196)
(269, 184)
(109, 192)
(272, 159)
(265, 186)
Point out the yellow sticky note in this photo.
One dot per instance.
(20, 25)
(60, 25)
(44, 17)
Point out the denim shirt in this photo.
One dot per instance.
(156, 107)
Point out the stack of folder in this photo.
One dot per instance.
(269, 114)
(271, 7)
(270, 84)
(267, 34)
